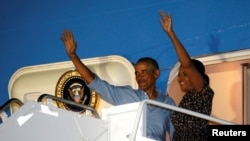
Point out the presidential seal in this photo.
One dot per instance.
(72, 87)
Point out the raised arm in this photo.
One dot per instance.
(70, 46)
(183, 56)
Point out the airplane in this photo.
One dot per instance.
(212, 31)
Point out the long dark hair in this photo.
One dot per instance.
(201, 68)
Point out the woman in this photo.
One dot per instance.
(198, 94)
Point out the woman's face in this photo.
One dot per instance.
(184, 81)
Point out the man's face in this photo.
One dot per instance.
(145, 75)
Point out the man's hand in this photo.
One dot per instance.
(69, 43)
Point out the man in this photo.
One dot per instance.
(146, 72)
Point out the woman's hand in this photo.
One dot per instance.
(166, 22)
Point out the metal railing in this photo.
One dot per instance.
(40, 98)
(171, 107)
(9, 102)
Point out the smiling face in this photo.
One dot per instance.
(184, 81)
(146, 75)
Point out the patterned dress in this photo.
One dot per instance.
(190, 128)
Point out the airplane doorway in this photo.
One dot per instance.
(227, 80)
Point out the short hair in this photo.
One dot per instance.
(149, 60)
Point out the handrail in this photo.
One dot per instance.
(40, 98)
(9, 102)
(171, 107)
